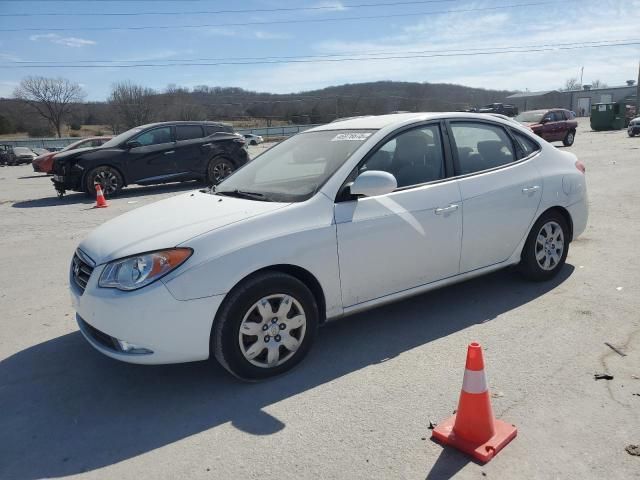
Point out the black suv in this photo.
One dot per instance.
(501, 108)
(151, 154)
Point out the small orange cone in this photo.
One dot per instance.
(473, 429)
(100, 200)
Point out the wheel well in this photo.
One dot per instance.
(305, 277)
(567, 216)
(84, 177)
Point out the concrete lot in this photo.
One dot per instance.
(360, 405)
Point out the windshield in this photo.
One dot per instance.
(295, 169)
(532, 117)
(123, 137)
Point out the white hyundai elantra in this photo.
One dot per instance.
(340, 218)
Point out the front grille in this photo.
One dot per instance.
(81, 270)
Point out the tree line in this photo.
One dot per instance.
(41, 106)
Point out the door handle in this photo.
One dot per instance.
(445, 210)
(206, 144)
(169, 152)
(532, 189)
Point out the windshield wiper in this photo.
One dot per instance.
(243, 194)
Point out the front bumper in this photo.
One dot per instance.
(173, 331)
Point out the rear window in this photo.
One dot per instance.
(211, 129)
(188, 132)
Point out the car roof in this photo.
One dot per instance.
(376, 122)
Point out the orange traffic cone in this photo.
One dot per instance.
(473, 429)
(100, 200)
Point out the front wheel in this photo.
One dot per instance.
(569, 138)
(265, 327)
(109, 179)
(218, 170)
(546, 248)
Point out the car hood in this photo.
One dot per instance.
(43, 157)
(168, 223)
(72, 153)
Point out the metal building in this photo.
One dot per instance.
(579, 101)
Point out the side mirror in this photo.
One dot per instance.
(372, 183)
(133, 144)
(546, 120)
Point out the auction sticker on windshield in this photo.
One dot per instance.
(357, 136)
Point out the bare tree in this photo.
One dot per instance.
(132, 104)
(52, 98)
(598, 84)
(571, 84)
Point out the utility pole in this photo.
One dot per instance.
(638, 93)
(581, 74)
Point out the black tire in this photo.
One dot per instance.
(109, 178)
(631, 134)
(253, 142)
(531, 265)
(240, 303)
(218, 169)
(569, 138)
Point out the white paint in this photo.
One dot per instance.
(362, 252)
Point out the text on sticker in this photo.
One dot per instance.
(342, 137)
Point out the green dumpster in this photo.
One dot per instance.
(607, 116)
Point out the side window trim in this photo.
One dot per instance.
(454, 150)
(446, 152)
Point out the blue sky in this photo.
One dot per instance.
(423, 27)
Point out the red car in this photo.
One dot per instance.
(554, 125)
(44, 163)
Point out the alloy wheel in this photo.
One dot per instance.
(108, 181)
(221, 170)
(272, 330)
(549, 246)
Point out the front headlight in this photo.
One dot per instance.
(139, 271)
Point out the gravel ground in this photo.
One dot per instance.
(360, 405)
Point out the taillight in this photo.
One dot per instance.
(580, 166)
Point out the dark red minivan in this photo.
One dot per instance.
(554, 124)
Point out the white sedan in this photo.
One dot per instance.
(332, 221)
(252, 139)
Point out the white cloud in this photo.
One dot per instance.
(247, 34)
(260, 35)
(608, 20)
(329, 6)
(7, 88)
(74, 42)
(221, 32)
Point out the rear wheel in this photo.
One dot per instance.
(265, 327)
(110, 181)
(219, 169)
(569, 138)
(546, 248)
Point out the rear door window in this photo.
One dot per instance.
(188, 132)
(211, 129)
(481, 146)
